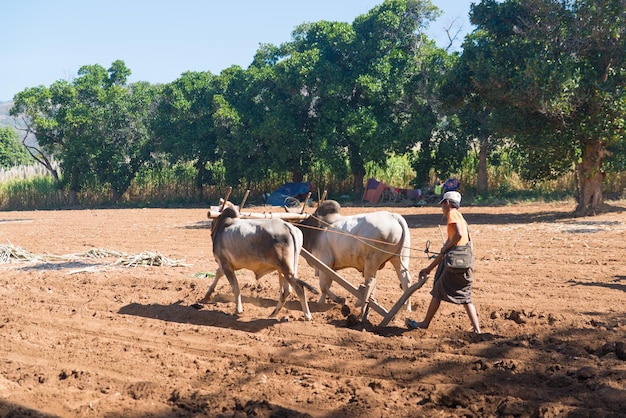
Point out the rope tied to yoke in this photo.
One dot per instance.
(363, 240)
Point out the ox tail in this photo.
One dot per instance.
(298, 246)
(307, 286)
(405, 250)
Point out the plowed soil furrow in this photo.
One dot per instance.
(87, 338)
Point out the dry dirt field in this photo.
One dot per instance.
(86, 337)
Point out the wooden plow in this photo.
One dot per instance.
(363, 293)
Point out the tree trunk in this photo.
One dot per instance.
(358, 182)
(42, 159)
(483, 185)
(73, 193)
(590, 177)
(297, 176)
(357, 166)
(119, 190)
(200, 176)
(115, 196)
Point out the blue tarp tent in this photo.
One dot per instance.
(295, 190)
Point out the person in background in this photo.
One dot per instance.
(450, 286)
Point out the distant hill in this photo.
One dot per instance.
(5, 119)
(8, 120)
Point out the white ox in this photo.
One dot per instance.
(364, 242)
(263, 246)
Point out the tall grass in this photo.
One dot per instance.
(27, 188)
(505, 184)
(615, 185)
(169, 185)
(396, 172)
(22, 172)
(39, 192)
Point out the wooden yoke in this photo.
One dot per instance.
(287, 216)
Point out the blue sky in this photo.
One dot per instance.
(44, 41)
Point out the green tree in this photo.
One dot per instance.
(335, 93)
(12, 152)
(288, 121)
(239, 112)
(184, 124)
(439, 139)
(95, 126)
(125, 145)
(361, 83)
(556, 81)
(262, 119)
(459, 97)
(38, 108)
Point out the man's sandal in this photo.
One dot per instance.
(411, 324)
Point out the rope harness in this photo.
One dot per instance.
(430, 254)
(363, 240)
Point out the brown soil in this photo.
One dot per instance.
(84, 337)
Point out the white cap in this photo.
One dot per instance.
(452, 197)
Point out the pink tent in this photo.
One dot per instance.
(373, 191)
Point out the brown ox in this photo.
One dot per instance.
(263, 246)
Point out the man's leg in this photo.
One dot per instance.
(430, 314)
(473, 316)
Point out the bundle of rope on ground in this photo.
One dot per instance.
(148, 258)
(10, 253)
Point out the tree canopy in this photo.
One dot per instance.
(554, 72)
(95, 126)
(546, 76)
(12, 153)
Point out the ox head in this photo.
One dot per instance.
(226, 218)
(325, 214)
(326, 208)
(328, 212)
